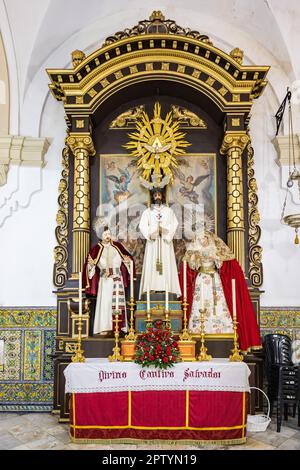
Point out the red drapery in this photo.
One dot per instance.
(163, 415)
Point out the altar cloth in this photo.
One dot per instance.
(103, 376)
(182, 413)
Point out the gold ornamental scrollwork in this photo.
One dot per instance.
(81, 142)
(255, 250)
(157, 24)
(128, 118)
(185, 117)
(156, 143)
(235, 140)
(71, 347)
(60, 271)
(237, 54)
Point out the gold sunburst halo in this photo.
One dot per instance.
(156, 143)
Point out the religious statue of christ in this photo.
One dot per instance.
(158, 225)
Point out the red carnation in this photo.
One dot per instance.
(173, 358)
(174, 344)
(165, 359)
(151, 358)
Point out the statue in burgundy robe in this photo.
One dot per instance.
(106, 275)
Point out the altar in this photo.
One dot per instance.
(192, 402)
(144, 229)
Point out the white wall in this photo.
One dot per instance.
(27, 235)
(281, 257)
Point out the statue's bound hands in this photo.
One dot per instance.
(154, 235)
(164, 232)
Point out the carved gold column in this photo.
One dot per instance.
(82, 147)
(233, 146)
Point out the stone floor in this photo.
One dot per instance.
(41, 431)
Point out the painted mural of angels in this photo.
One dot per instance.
(195, 182)
(121, 183)
(188, 185)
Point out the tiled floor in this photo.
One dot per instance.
(42, 431)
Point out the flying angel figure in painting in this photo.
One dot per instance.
(121, 184)
(188, 185)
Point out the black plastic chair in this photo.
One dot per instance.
(282, 375)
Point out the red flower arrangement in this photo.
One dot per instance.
(157, 347)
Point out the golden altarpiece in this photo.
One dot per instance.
(209, 93)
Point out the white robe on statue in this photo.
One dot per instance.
(109, 259)
(151, 279)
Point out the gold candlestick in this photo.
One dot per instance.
(203, 356)
(132, 336)
(167, 318)
(116, 356)
(235, 356)
(149, 319)
(187, 346)
(79, 353)
(185, 336)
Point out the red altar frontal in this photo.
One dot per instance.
(193, 403)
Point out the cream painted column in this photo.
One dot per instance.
(82, 148)
(233, 146)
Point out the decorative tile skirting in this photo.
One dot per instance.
(26, 379)
(284, 320)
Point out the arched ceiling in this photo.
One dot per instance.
(43, 31)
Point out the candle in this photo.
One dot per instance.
(184, 279)
(202, 296)
(233, 299)
(131, 279)
(117, 296)
(148, 299)
(167, 298)
(80, 293)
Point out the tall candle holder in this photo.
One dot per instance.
(79, 353)
(116, 356)
(203, 356)
(235, 356)
(186, 345)
(132, 336)
(128, 343)
(167, 319)
(185, 335)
